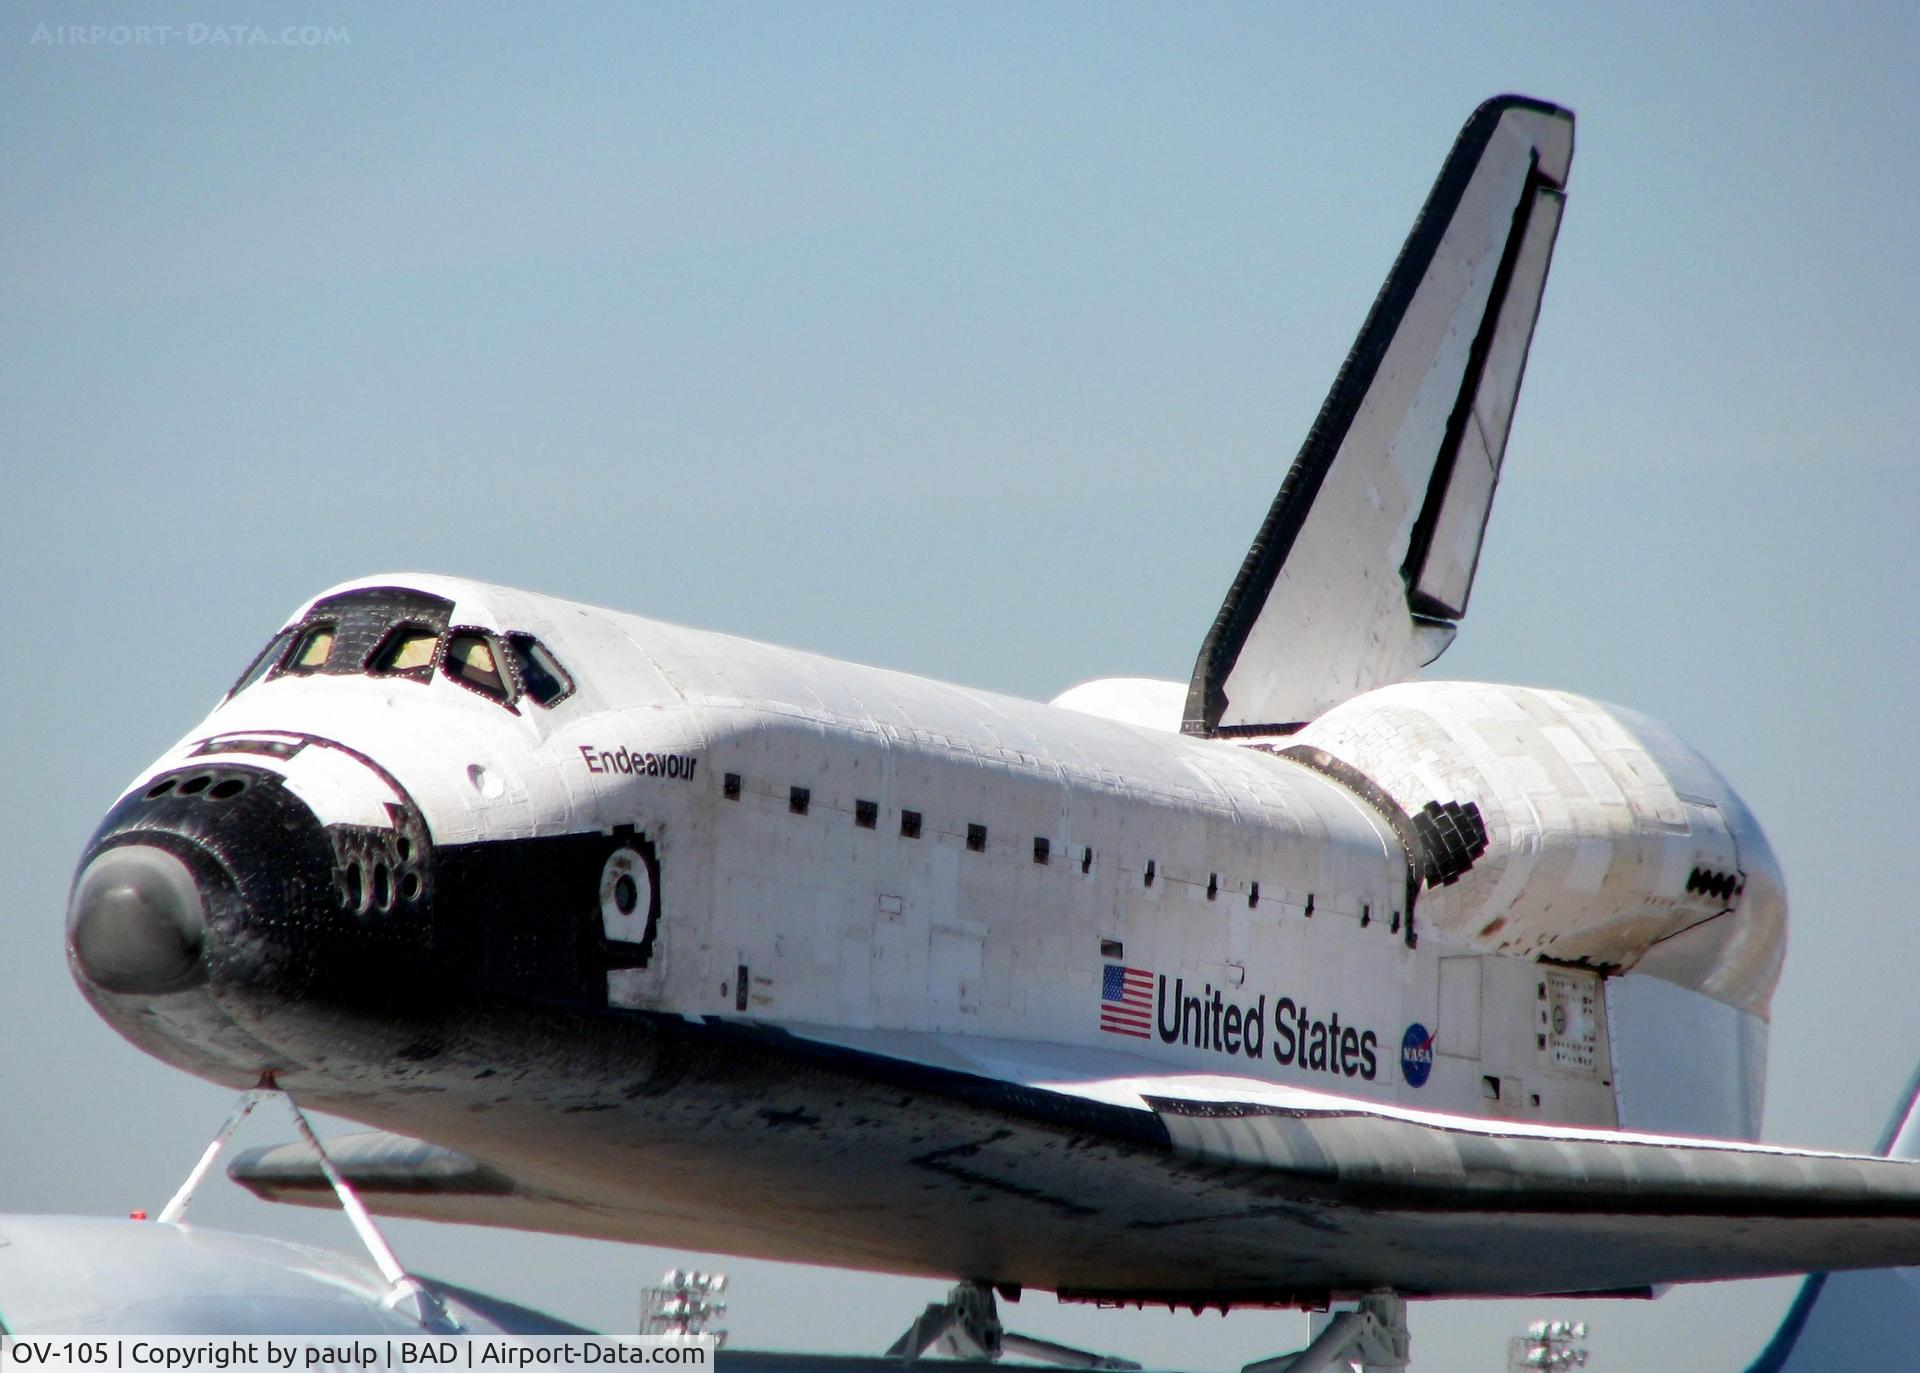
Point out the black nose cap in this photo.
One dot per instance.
(136, 920)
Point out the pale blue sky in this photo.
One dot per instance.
(971, 340)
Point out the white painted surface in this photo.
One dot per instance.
(1146, 702)
(1685, 1063)
(1596, 821)
(866, 927)
(1336, 621)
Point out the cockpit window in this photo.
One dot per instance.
(407, 651)
(313, 650)
(269, 658)
(363, 622)
(395, 631)
(539, 671)
(471, 661)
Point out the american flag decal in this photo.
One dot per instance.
(1126, 1001)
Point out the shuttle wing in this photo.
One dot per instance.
(1118, 1173)
(1439, 1205)
(1360, 574)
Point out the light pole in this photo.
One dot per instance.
(684, 1307)
(1548, 1345)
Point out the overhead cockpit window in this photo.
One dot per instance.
(407, 651)
(539, 671)
(371, 620)
(313, 650)
(472, 662)
(269, 657)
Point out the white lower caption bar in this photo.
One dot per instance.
(300, 1354)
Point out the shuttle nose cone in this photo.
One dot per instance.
(136, 920)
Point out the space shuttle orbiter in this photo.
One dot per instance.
(1309, 979)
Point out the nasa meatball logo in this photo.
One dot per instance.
(1416, 1055)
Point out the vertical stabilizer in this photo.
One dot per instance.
(1864, 1319)
(1360, 574)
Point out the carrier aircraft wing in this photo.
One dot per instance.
(1360, 573)
(1293, 1194)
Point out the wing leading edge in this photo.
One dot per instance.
(1360, 573)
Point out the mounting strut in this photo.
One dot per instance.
(404, 1291)
(1371, 1332)
(967, 1326)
